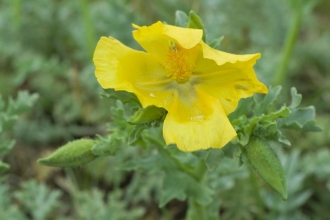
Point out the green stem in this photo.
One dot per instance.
(160, 146)
(288, 47)
(199, 211)
(16, 13)
(200, 170)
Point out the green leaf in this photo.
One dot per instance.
(23, 102)
(196, 22)
(91, 204)
(180, 185)
(296, 98)
(270, 98)
(181, 19)
(173, 188)
(215, 43)
(9, 113)
(265, 162)
(38, 199)
(150, 164)
(301, 119)
(73, 154)
(266, 127)
(282, 139)
(284, 112)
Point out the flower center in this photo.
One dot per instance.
(177, 65)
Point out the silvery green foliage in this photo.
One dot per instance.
(37, 199)
(9, 114)
(9, 210)
(91, 205)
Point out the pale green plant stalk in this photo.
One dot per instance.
(200, 210)
(16, 13)
(290, 41)
(90, 33)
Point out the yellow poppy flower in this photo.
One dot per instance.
(198, 85)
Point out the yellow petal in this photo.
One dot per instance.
(229, 85)
(221, 57)
(155, 38)
(227, 80)
(122, 68)
(196, 121)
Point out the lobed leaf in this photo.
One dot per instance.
(296, 98)
(301, 119)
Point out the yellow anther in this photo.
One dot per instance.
(177, 64)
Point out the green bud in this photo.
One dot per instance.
(265, 162)
(72, 154)
(147, 115)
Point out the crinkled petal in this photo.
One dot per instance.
(155, 38)
(230, 85)
(221, 57)
(196, 121)
(228, 81)
(122, 68)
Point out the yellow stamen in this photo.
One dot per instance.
(177, 64)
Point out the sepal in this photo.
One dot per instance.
(191, 21)
(147, 115)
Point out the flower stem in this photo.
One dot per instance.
(288, 47)
(256, 192)
(200, 170)
(16, 13)
(196, 210)
(160, 146)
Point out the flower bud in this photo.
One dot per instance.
(265, 162)
(72, 154)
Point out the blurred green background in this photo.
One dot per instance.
(46, 47)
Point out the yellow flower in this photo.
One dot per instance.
(198, 85)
